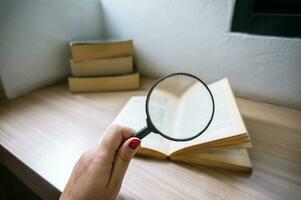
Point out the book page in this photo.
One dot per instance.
(194, 111)
(163, 103)
(133, 115)
(226, 122)
(162, 110)
(237, 159)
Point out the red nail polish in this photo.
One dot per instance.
(134, 143)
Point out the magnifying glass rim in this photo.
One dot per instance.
(151, 125)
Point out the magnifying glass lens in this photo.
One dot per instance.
(180, 107)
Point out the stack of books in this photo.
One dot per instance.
(102, 66)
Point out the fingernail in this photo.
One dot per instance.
(134, 143)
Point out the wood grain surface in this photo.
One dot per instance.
(43, 134)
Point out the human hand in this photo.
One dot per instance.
(99, 172)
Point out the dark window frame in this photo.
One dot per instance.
(247, 21)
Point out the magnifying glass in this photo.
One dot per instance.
(179, 107)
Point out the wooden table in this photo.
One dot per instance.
(43, 134)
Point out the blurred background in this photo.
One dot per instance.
(210, 39)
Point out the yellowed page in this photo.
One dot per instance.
(236, 159)
(227, 121)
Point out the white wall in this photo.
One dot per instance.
(193, 36)
(34, 37)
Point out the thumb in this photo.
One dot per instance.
(123, 157)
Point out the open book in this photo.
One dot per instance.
(224, 144)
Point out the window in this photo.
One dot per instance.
(268, 17)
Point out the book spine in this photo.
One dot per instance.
(102, 50)
(102, 67)
(108, 83)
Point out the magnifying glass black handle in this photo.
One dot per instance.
(142, 133)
